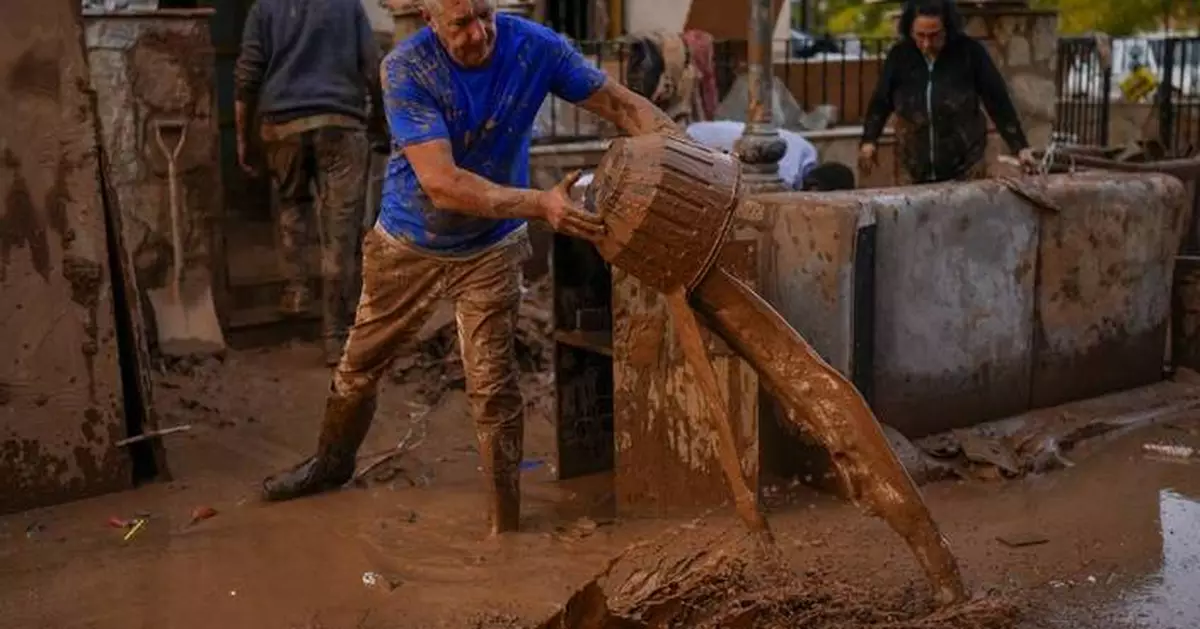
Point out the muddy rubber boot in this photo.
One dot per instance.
(296, 300)
(500, 454)
(346, 423)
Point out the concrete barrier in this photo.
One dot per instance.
(954, 278)
(981, 306)
(1104, 284)
(820, 248)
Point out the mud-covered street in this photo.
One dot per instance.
(1112, 541)
(972, 402)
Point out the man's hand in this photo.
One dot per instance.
(565, 215)
(244, 157)
(867, 159)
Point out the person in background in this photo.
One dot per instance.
(461, 96)
(800, 158)
(305, 72)
(828, 177)
(934, 81)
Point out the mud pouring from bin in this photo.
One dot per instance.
(668, 205)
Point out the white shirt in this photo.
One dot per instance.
(801, 155)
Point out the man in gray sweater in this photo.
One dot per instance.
(305, 73)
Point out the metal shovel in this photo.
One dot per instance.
(186, 323)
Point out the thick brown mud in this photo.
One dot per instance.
(668, 204)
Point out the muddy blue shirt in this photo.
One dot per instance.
(487, 115)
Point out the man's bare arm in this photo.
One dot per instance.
(456, 189)
(630, 112)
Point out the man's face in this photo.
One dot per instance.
(467, 30)
(929, 34)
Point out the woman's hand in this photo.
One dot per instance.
(1025, 156)
(867, 159)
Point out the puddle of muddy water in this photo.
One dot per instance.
(1170, 599)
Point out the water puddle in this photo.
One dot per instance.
(1170, 599)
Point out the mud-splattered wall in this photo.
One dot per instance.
(666, 457)
(61, 406)
(983, 306)
(980, 306)
(150, 69)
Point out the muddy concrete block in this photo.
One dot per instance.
(954, 305)
(817, 264)
(817, 244)
(1104, 284)
(666, 457)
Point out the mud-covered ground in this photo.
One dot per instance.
(1121, 530)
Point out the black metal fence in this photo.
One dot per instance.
(1084, 92)
(1089, 86)
(1178, 97)
(840, 72)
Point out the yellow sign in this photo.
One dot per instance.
(1138, 84)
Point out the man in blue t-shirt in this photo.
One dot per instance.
(461, 96)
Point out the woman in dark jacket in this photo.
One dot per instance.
(934, 80)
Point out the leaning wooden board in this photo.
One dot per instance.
(61, 399)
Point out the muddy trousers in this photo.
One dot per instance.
(401, 288)
(331, 161)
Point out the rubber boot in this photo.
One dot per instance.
(500, 454)
(346, 423)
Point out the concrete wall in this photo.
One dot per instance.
(62, 405)
(984, 307)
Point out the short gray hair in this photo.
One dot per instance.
(435, 7)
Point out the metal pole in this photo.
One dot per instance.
(760, 146)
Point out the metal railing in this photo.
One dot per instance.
(1084, 92)
(1166, 68)
(1178, 95)
(839, 72)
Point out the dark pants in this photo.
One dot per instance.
(332, 162)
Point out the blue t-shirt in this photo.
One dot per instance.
(487, 115)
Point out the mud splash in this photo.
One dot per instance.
(708, 577)
(667, 204)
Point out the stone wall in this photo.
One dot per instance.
(1024, 45)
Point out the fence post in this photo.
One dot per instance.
(1105, 103)
(1165, 97)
